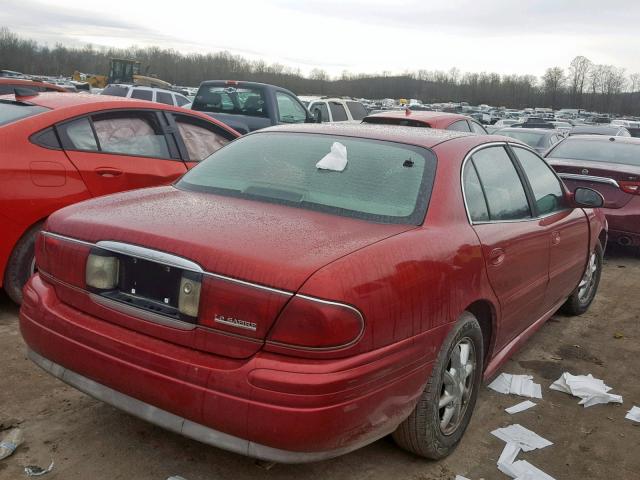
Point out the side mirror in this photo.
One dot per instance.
(588, 198)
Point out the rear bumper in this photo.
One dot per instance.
(269, 406)
(624, 223)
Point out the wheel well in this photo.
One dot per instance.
(484, 313)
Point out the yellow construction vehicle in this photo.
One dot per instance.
(121, 71)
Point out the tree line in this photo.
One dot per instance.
(582, 84)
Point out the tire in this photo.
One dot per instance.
(579, 301)
(21, 264)
(421, 433)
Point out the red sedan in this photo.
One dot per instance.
(61, 148)
(421, 118)
(309, 289)
(610, 165)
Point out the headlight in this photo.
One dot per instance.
(102, 271)
(189, 298)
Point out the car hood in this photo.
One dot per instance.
(269, 244)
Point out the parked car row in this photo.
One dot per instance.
(301, 290)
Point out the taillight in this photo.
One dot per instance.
(630, 187)
(312, 324)
(62, 259)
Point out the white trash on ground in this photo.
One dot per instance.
(520, 407)
(633, 414)
(460, 477)
(36, 471)
(523, 470)
(10, 442)
(522, 385)
(521, 437)
(335, 160)
(591, 390)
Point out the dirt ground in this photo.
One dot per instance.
(91, 440)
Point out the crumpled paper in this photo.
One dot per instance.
(522, 385)
(522, 437)
(335, 160)
(633, 414)
(518, 439)
(592, 391)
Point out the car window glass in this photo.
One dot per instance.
(199, 140)
(131, 134)
(13, 111)
(322, 108)
(142, 94)
(476, 128)
(474, 198)
(597, 150)
(546, 187)
(164, 97)
(81, 135)
(502, 186)
(459, 126)
(115, 90)
(337, 112)
(289, 110)
(357, 110)
(180, 100)
(239, 101)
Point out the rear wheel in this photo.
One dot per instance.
(21, 264)
(580, 300)
(444, 410)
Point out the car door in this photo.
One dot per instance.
(515, 245)
(121, 150)
(567, 228)
(197, 139)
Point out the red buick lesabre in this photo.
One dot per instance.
(309, 289)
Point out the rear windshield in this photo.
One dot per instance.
(379, 181)
(604, 151)
(11, 111)
(403, 122)
(115, 90)
(232, 100)
(530, 138)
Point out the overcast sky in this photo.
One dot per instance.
(361, 36)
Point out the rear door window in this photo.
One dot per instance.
(164, 97)
(289, 109)
(501, 183)
(474, 196)
(337, 112)
(131, 133)
(459, 126)
(80, 134)
(320, 107)
(200, 139)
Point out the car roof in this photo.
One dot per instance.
(55, 100)
(423, 137)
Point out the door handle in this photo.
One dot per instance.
(555, 238)
(496, 256)
(108, 172)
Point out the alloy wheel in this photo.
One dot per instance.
(457, 386)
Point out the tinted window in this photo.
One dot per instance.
(240, 101)
(474, 198)
(603, 150)
(289, 110)
(135, 133)
(164, 97)
(337, 112)
(502, 186)
(200, 139)
(115, 90)
(546, 187)
(322, 108)
(459, 126)
(81, 135)
(47, 138)
(12, 111)
(477, 128)
(358, 112)
(180, 100)
(381, 181)
(142, 94)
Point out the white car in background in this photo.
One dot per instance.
(152, 94)
(337, 109)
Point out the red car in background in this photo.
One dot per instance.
(8, 85)
(309, 289)
(610, 165)
(61, 148)
(422, 118)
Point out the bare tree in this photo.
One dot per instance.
(578, 69)
(553, 81)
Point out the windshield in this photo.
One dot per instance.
(232, 100)
(380, 181)
(11, 111)
(115, 90)
(532, 139)
(604, 151)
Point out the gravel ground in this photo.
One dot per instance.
(90, 440)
